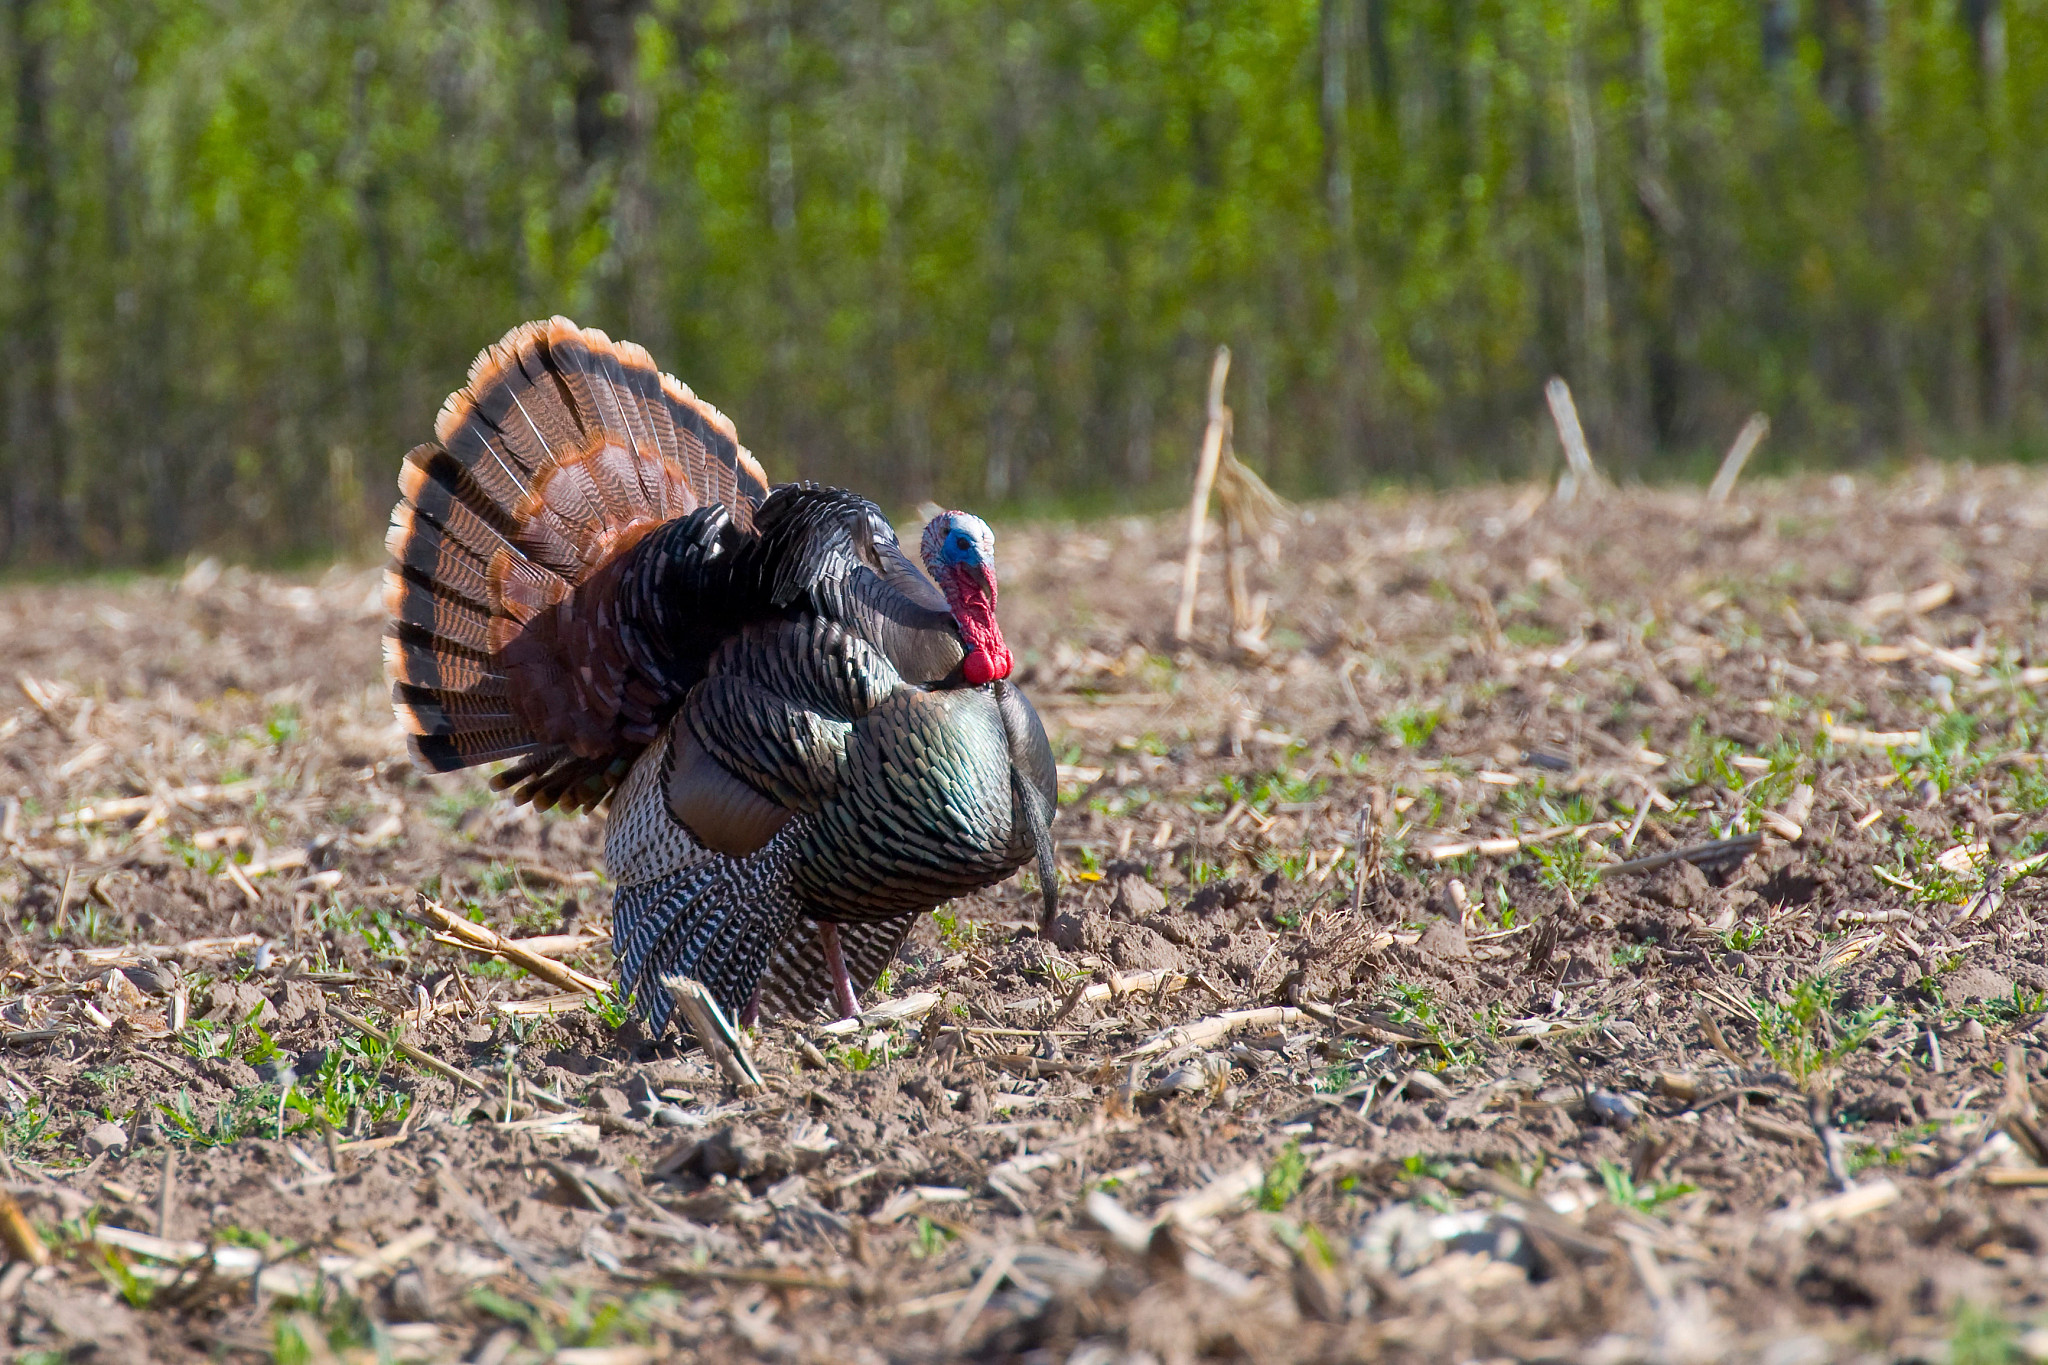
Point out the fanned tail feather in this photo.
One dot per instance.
(560, 453)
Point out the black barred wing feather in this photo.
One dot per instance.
(798, 982)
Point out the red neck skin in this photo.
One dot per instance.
(972, 595)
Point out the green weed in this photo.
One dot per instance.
(1809, 1035)
(1623, 1191)
(1411, 727)
(931, 1238)
(1283, 1179)
(958, 933)
(608, 1006)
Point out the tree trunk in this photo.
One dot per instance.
(1998, 314)
(1346, 451)
(39, 522)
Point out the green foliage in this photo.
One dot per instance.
(1414, 1003)
(351, 1077)
(609, 1007)
(25, 1128)
(113, 1266)
(1983, 1337)
(975, 251)
(282, 727)
(956, 931)
(249, 1112)
(1623, 1191)
(931, 1238)
(1808, 1034)
(1412, 726)
(1564, 865)
(1283, 1179)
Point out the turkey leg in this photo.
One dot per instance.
(842, 984)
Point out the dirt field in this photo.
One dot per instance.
(1688, 1009)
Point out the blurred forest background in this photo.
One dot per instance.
(981, 251)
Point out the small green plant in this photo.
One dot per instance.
(351, 1078)
(1412, 1003)
(1807, 1035)
(113, 1267)
(610, 1007)
(1283, 1178)
(1411, 727)
(1565, 866)
(854, 1057)
(263, 1048)
(1623, 1191)
(248, 1112)
(958, 933)
(1743, 937)
(1983, 1337)
(2011, 1008)
(931, 1238)
(1419, 1167)
(282, 727)
(25, 1128)
(380, 933)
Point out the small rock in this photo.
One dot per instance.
(611, 1099)
(1613, 1107)
(104, 1138)
(410, 1301)
(668, 1116)
(150, 976)
(1136, 898)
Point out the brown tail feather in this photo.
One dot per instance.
(563, 449)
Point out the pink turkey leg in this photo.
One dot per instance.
(842, 984)
(751, 1015)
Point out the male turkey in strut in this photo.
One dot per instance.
(804, 743)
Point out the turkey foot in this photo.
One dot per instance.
(842, 984)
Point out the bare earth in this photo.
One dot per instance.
(1775, 1101)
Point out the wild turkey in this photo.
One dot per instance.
(804, 744)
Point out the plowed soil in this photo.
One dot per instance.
(1600, 932)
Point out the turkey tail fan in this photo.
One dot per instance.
(561, 452)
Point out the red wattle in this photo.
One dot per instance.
(974, 607)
